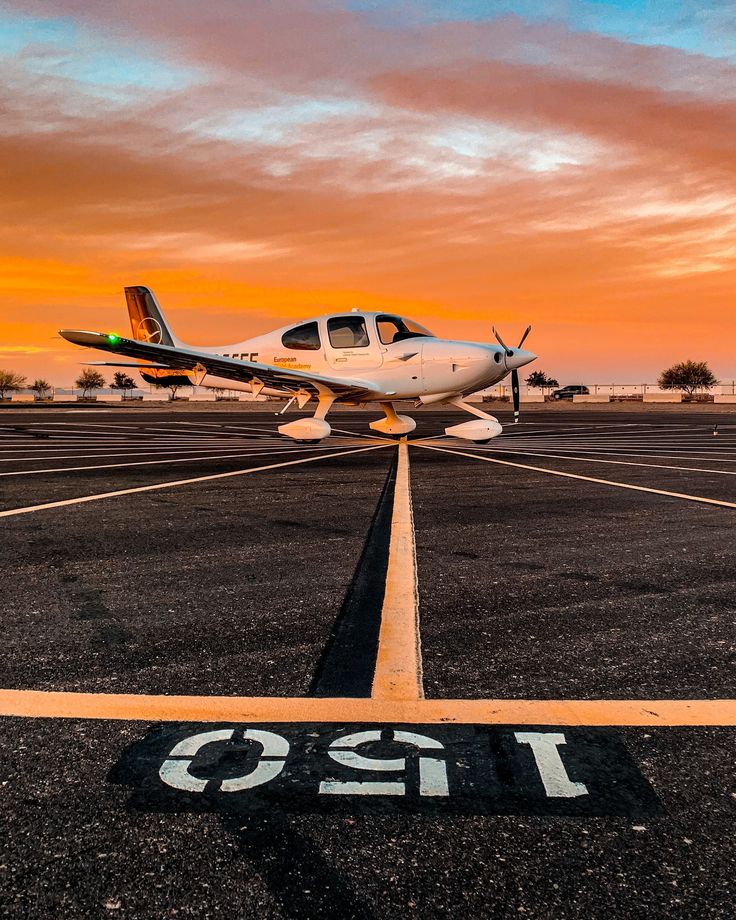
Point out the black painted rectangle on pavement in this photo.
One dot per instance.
(345, 769)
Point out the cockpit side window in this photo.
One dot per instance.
(348, 332)
(395, 329)
(302, 338)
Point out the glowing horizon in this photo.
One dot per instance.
(463, 163)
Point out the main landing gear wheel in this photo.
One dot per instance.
(306, 430)
(480, 430)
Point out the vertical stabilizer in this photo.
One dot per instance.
(147, 320)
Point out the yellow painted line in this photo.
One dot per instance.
(604, 482)
(398, 674)
(129, 706)
(183, 482)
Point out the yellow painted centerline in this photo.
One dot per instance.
(183, 482)
(130, 706)
(604, 482)
(398, 673)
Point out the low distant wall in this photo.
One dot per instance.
(672, 397)
(591, 398)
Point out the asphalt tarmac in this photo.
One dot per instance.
(204, 569)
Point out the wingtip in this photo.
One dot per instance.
(80, 337)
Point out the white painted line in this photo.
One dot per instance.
(398, 673)
(265, 450)
(102, 455)
(706, 438)
(711, 456)
(181, 482)
(168, 460)
(604, 482)
(716, 444)
(615, 431)
(648, 466)
(225, 443)
(357, 434)
(89, 445)
(581, 431)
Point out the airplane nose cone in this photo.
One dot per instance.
(519, 358)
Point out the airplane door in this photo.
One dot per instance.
(351, 343)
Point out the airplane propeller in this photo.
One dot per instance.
(514, 371)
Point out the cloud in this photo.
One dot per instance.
(284, 159)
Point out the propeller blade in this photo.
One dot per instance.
(515, 393)
(523, 338)
(501, 342)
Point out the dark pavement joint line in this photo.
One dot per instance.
(348, 662)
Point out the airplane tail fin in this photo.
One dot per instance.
(147, 320)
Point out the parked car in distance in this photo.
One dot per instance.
(573, 389)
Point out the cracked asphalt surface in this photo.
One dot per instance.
(531, 586)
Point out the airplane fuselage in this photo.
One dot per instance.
(416, 367)
(355, 357)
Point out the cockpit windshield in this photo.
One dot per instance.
(395, 329)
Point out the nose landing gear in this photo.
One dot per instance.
(393, 424)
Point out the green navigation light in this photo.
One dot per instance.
(113, 339)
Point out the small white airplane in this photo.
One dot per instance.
(354, 358)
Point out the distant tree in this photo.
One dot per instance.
(121, 381)
(171, 384)
(89, 380)
(540, 379)
(41, 387)
(688, 376)
(10, 382)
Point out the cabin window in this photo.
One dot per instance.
(302, 338)
(395, 329)
(348, 332)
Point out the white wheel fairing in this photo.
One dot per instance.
(310, 430)
(478, 430)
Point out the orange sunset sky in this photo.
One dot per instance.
(566, 164)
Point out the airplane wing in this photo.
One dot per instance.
(218, 366)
